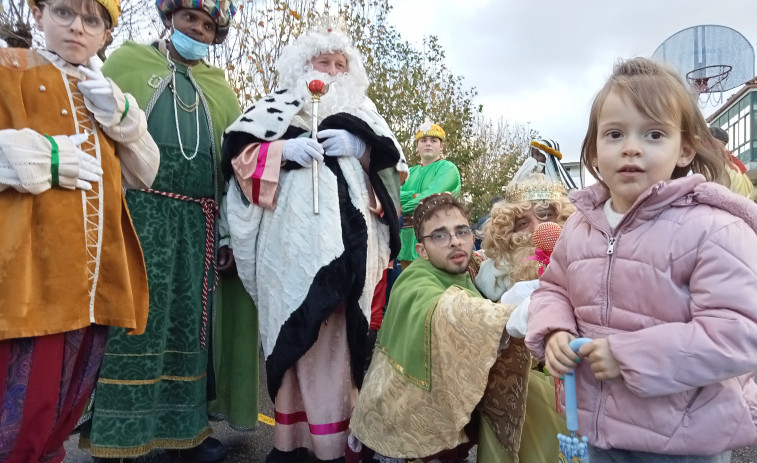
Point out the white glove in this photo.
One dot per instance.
(338, 142)
(519, 294)
(99, 96)
(90, 169)
(302, 151)
(518, 321)
(26, 162)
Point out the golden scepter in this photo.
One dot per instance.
(317, 89)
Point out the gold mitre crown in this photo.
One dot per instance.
(535, 190)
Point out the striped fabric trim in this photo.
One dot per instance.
(315, 429)
(134, 452)
(257, 169)
(93, 201)
(142, 382)
(126, 109)
(54, 160)
(258, 174)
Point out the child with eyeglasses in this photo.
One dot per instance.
(71, 263)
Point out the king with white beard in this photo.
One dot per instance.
(311, 275)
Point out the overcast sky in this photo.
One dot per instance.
(542, 61)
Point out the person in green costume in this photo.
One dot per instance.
(435, 349)
(157, 390)
(433, 175)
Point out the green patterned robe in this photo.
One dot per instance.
(153, 389)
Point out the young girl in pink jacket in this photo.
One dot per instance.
(659, 268)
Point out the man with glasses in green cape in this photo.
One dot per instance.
(435, 348)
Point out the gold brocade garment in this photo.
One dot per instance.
(401, 420)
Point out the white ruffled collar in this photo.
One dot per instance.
(63, 65)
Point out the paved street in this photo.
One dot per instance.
(251, 447)
(247, 447)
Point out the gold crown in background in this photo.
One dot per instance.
(535, 191)
(113, 7)
(428, 129)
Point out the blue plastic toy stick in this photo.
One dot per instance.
(571, 408)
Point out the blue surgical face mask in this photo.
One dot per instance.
(189, 48)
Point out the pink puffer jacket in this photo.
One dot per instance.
(674, 290)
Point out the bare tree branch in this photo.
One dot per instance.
(408, 85)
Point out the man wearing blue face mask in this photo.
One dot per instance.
(156, 390)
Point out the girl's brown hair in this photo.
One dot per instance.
(657, 92)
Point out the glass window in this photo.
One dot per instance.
(748, 127)
(741, 131)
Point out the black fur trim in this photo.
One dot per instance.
(384, 155)
(340, 282)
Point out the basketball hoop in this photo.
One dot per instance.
(708, 82)
(706, 79)
(713, 60)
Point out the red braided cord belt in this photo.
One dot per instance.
(210, 209)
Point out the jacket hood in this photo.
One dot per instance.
(693, 189)
(718, 196)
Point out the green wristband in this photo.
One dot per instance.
(54, 160)
(126, 110)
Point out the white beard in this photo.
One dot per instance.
(343, 95)
(346, 94)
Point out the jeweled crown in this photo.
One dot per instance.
(326, 23)
(535, 191)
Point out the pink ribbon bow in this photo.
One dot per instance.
(542, 257)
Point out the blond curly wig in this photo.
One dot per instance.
(510, 249)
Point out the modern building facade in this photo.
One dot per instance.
(573, 168)
(738, 117)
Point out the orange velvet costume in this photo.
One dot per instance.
(68, 258)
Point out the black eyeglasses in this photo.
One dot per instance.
(65, 16)
(442, 239)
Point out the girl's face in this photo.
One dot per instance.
(634, 151)
(71, 31)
